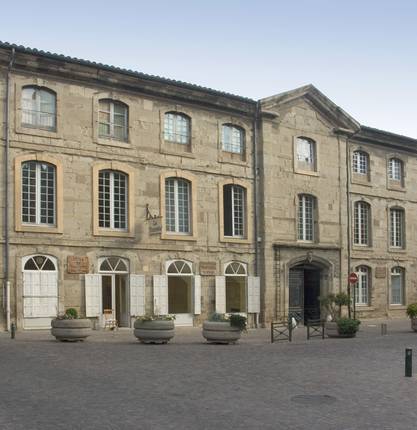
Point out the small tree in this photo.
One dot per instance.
(333, 303)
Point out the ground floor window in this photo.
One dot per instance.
(362, 286)
(236, 297)
(397, 286)
(179, 287)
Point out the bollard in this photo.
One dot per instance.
(13, 331)
(383, 329)
(408, 362)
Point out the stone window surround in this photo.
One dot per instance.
(229, 157)
(394, 185)
(112, 96)
(403, 249)
(369, 286)
(314, 172)
(316, 229)
(404, 287)
(357, 246)
(248, 211)
(59, 210)
(130, 172)
(357, 178)
(33, 131)
(193, 219)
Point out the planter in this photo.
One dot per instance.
(71, 330)
(220, 332)
(332, 330)
(157, 331)
(414, 324)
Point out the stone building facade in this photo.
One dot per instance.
(126, 194)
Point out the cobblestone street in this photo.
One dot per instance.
(113, 382)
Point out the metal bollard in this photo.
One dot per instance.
(13, 331)
(408, 362)
(383, 329)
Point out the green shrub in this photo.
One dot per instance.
(238, 321)
(149, 317)
(347, 325)
(412, 310)
(216, 317)
(71, 314)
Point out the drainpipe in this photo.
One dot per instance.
(6, 188)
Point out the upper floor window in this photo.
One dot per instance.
(38, 193)
(177, 205)
(360, 163)
(306, 154)
(362, 286)
(112, 200)
(397, 286)
(306, 212)
(395, 170)
(234, 208)
(361, 218)
(39, 108)
(177, 128)
(397, 228)
(113, 120)
(232, 139)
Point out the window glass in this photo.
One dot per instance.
(232, 139)
(38, 108)
(397, 228)
(397, 286)
(234, 210)
(177, 128)
(177, 205)
(113, 121)
(361, 223)
(395, 169)
(305, 217)
(362, 286)
(360, 162)
(306, 154)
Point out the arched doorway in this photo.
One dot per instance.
(40, 291)
(114, 288)
(236, 294)
(180, 291)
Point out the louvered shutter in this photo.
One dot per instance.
(160, 294)
(254, 294)
(221, 294)
(197, 294)
(137, 295)
(93, 295)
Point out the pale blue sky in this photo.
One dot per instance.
(361, 54)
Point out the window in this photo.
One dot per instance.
(112, 200)
(234, 204)
(362, 286)
(236, 296)
(39, 108)
(361, 223)
(232, 139)
(177, 205)
(397, 228)
(395, 170)
(38, 193)
(306, 205)
(177, 128)
(306, 154)
(397, 286)
(113, 120)
(360, 163)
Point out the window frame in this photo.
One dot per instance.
(357, 223)
(363, 272)
(302, 199)
(397, 271)
(300, 166)
(177, 115)
(176, 196)
(396, 234)
(111, 124)
(235, 217)
(38, 92)
(233, 127)
(357, 163)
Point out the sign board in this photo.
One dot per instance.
(353, 278)
(208, 268)
(77, 265)
(380, 272)
(155, 225)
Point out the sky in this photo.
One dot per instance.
(360, 54)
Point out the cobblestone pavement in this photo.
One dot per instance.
(113, 382)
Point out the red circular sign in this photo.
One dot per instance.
(353, 278)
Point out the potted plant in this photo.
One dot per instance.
(220, 328)
(412, 314)
(154, 328)
(338, 326)
(70, 327)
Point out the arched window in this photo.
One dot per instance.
(234, 211)
(361, 219)
(395, 170)
(113, 120)
(179, 267)
(235, 268)
(397, 227)
(360, 163)
(177, 205)
(113, 200)
(397, 285)
(233, 138)
(236, 296)
(306, 154)
(113, 264)
(177, 128)
(38, 193)
(38, 108)
(362, 287)
(39, 262)
(306, 217)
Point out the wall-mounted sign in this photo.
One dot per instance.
(380, 272)
(208, 268)
(155, 225)
(77, 265)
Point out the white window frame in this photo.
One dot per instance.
(176, 206)
(233, 214)
(360, 163)
(231, 146)
(179, 137)
(395, 169)
(397, 228)
(359, 219)
(303, 222)
(112, 103)
(362, 285)
(37, 113)
(398, 271)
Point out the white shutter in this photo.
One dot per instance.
(137, 295)
(48, 284)
(93, 295)
(30, 279)
(197, 294)
(160, 294)
(221, 294)
(254, 294)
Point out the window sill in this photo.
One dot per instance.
(113, 233)
(38, 229)
(306, 172)
(397, 307)
(364, 308)
(357, 247)
(33, 131)
(113, 142)
(363, 182)
(398, 188)
(397, 250)
(167, 236)
(182, 153)
(226, 239)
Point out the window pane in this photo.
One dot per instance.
(306, 154)
(227, 210)
(232, 139)
(177, 128)
(395, 169)
(397, 286)
(104, 199)
(29, 192)
(38, 108)
(306, 217)
(238, 211)
(177, 205)
(360, 162)
(397, 228)
(362, 286)
(361, 223)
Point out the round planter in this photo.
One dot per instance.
(333, 331)
(154, 331)
(220, 332)
(71, 330)
(414, 324)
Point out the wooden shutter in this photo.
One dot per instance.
(93, 295)
(160, 294)
(137, 295)
(221, 294)
(197, 294)
(254, 294)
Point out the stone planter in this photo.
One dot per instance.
(333, 331)
(220, 332)
(414, 324)
(71, 330)
(154, 331)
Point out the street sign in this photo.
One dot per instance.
(353, 278)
